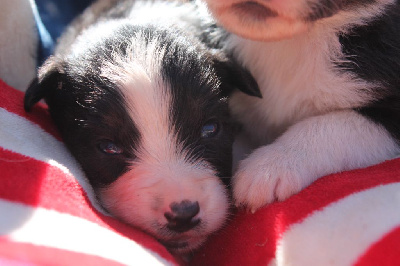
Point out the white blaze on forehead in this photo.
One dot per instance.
(138, 75)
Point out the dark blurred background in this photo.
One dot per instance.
(52, 17)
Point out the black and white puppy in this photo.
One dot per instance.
(329, 73)
(142, 105)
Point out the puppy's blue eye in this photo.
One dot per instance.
(209, 130)
(109, 147)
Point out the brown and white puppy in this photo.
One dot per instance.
(141, 103)
(328, 71)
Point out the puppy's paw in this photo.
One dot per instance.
(270, 173)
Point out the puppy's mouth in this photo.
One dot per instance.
(251, 10)
(182, 244)
(176, 245)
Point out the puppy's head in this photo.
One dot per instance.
(278, 19)
(145, 113)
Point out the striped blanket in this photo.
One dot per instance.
(50, 216)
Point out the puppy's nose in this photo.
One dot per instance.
(181, 218)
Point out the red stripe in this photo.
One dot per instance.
(12, 100)
(38, 184)
(384, 252)
(251, 239)
(28, 254)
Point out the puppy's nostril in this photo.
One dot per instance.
(181, 218)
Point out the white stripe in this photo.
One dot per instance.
(21, 136)
(49, 228)
(340, 233)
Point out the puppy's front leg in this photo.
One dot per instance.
(310, 149)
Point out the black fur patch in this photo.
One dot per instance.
(187, 69)
(373, 53)
(87, 111)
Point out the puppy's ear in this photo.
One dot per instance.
(48, 81)
(234, 76)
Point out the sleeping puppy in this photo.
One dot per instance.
(142, 105)
(329, 75)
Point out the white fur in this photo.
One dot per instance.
(18, 43)
(312, 148)
(306, 109)
(297, 79)
(162, 173)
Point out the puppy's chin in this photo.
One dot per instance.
(256, 20)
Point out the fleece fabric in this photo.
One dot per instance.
(49, 214)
